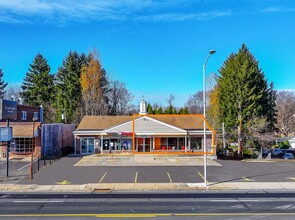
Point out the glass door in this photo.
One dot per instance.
(140, 144)
(90, 145)
(87, 145)
(147, 146)
(84, 146)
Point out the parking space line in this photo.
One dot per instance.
(29, 164)
(136, 176)
(103, 177)
(202, 177)
(169, 177)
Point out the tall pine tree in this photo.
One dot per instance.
(69, 87)
(244, 92)
(2, 85)
(38, 87)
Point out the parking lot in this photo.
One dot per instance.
(64, 171)
(17, 170)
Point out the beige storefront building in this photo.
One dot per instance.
(143, 133)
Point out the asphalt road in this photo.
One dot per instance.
(212, 205)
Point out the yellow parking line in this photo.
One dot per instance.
(136, 176)
(103, 177)
(169, 177)
(247, 179)
(202, 177)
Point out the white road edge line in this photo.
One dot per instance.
(37, 201)
(234, 200)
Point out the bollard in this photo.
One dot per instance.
(38, 163)
(31, 174)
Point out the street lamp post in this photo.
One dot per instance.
(204, 112)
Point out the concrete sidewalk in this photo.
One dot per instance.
(144, 160)
(137, 187)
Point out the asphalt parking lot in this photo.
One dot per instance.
(63, 171)
(17, 170)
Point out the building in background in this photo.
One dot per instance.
(26, 131)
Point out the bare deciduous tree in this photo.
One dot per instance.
(170, 100)
(13, 90)
(119, 98)
(285, 106)
(195, 103)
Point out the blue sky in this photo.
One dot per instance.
(156, 47)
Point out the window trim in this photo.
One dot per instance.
(24, 115)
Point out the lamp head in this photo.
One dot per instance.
(212, 51)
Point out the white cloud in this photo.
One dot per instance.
(67, 11)
(277, 9)
(184, 17)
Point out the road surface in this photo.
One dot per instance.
(204, 205)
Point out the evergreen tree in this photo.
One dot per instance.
(2, 85)
(150, 109)
(69, 88)
(105, 89)
(38, 87)
(160, 110)
(185, 110)
(243, 91)
(180, 110)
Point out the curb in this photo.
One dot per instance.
(139, 187)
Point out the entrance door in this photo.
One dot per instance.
(144, 144)
(147, 146)
(87, 145)
(91, 145)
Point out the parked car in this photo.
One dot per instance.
(265, 152)
(291, 151)
(288, 156)
(277, 153)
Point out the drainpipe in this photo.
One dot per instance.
(75, 145)
(101, 144)
(185, 142)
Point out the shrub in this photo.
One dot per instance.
(284, 145)
(248, 153)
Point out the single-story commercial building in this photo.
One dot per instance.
(143, 133)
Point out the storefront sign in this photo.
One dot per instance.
(113, 134)
(5, 134)
(126, 133)
(8, 110)
(142, 136)
(123, 134)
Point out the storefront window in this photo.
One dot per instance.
(21, 145)
(172, 143)
(196, 143)
(106, 144)
(126, 144)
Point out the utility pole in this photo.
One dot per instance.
(240, 136)
(7, 152)
(240, 130)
